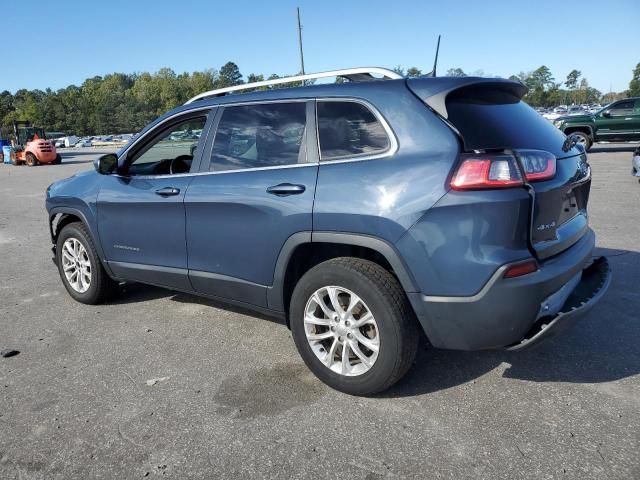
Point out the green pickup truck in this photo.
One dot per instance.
(619, 121)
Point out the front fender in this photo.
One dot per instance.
(87, 217)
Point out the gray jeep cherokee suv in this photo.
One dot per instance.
(359, 212)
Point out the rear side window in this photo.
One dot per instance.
(493, 120)
(256, 136)
(348, 129)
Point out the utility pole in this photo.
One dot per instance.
(300, 42)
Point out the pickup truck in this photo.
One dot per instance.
(619, 121)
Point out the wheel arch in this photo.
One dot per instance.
(304, 250)
(61, 216)
(588, 129)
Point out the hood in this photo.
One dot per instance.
(73, 185)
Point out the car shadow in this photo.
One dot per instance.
(79, 153)
(138, 293)
(604, 148)
(602, 347)
(73, 162)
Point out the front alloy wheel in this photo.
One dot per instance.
(76, 265)
(80, 269)
(341, 331)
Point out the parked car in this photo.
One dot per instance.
(556, 112)
(619, 121)
(352, 211)
(66, 142)
(576, 110)
(85, 142)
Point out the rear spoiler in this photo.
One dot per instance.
(434, 91)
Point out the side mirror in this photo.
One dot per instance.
(606, 113)
(106, 164)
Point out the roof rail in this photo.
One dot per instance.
(354, 74)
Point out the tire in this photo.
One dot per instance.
(101, 286)
(394, 331)
(58, 160)
(584, 139)
(31, 159)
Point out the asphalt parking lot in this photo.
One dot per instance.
(161, 384)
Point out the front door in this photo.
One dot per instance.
(618, 122)
(254, 191)
(141, 217)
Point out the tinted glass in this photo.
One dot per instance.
(495, 121)
(170, 152)
(253, 136)
(347, 129)
(622, 106)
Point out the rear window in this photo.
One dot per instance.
(258, 136)
(490, 120)
(348, 129)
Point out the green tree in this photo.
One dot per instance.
(414, 72)
(399, 70)
(229, 75)
(455, 72)
(572, 79)
(572, 83)
(634, 84)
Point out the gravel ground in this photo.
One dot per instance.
(233, 399)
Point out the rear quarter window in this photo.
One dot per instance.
(349, 129)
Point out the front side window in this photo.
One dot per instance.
(258, 136)
(621, 108)
(171, 151)
(348, 129)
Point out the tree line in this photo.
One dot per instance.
(124, 103)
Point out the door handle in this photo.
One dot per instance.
(285, 189)
(167, 191)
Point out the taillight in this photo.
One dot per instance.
(520, 269)
(487, 171)
(538, 164)
(479, 172)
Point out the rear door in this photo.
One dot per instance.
(492, 117)
(255, 189)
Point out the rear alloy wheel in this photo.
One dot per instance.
(353, 326)
(31, 159)
(341, 331)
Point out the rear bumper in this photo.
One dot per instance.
(593, 284)
(45, 157)
(517, 312)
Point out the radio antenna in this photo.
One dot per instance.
(432, 73)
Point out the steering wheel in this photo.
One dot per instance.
(175, 162)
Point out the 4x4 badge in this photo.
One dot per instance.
(546, 226)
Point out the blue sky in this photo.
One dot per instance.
(64, 42)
